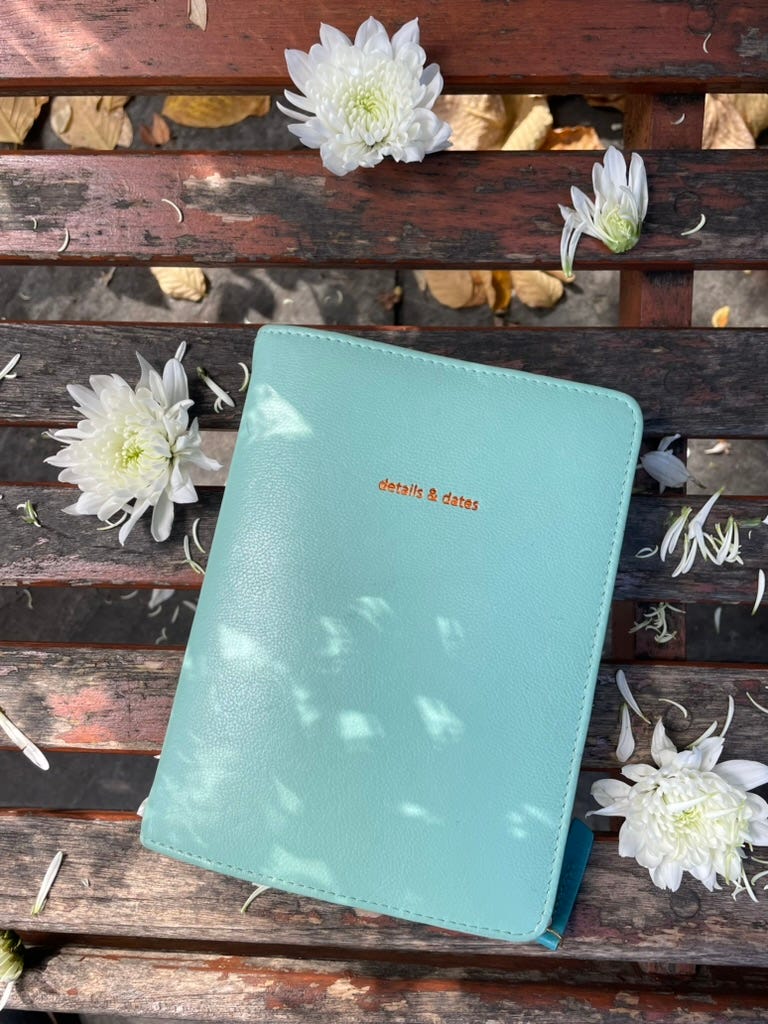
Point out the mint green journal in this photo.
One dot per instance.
(386, 690)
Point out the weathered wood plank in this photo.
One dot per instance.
(283, 991)
(134, 893)
(650, 579)
(282, 209)
(700, 382)
(90, 698)
(68, 550)
(646, 298)
(702, 689)
(136, 47)
(103, 698)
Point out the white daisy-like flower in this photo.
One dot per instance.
(617, 213)
(687, 812)
(133, 449)
(366, 100)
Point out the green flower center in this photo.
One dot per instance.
(369, 110)
(130, 453)
(622, 231)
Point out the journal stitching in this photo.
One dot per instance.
(512, 378)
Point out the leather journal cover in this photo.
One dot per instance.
(386, 690)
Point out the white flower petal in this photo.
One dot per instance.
(608, 791)
(665, 442)
(666, 468)
(136, 513)
(626, 693)
(175, 382)
(663, 749)
(744, 774)
(760, 590)
(331, 37)
(626, 745)
(638, 183)
(637, 772)
(162, 517)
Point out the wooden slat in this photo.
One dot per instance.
(283, 991)
(90, 698)
(68, 550)
(103, 698)
(702, 689)
(703, 382)
(646, 298)
(649, 579)
(138, 47)
(134, 893)
(282, 209)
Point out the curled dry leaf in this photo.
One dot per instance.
(197, 11)
(537, 288)
(578, 137)
(721, 316)
(92, 122)
(753, 107)
(157, 133)
(214, 111)
(724, 127)
(17, 115)
(460, 289)
(616, 100)
(529, 121)
(495, 122)
(181, 282)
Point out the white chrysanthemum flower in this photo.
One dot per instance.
(617, 213)
(688, 813)
(134, 448)
(366, 100)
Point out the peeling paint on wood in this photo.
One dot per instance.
(442, 212)
(644, 45)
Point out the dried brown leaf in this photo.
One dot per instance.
(753, 107)
(577, 137)
(495, 122)
(460, 289)
(724, 127)
(536, 288)
(92, 122)
(501, 282)
(181, 282)
(17, 115)
(616, 100)
(721, 316)
(214, 111)
(477, 122)
(197, 11)
(529, 121)
(157, 133)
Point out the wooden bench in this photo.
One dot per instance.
(148, 936)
